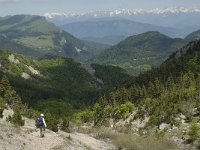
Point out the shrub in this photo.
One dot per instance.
(52, 122)
(86, 116)
(2, 107)
(123, 109)
(65, 125)
(194, 131)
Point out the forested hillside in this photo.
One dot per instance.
(140, 52)
(161, 93)
(193, 36)
(50, 85)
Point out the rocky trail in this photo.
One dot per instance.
(27, 138)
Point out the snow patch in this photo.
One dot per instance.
(12, 59)
(120, 12)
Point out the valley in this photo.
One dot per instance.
(102, 83)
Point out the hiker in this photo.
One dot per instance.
(41, 124)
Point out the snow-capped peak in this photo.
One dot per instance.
(120, 12)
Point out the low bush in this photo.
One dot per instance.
(85, 116)
(65, 125)
(2, 107)
(194, 132)
(121, 110)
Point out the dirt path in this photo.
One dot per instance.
(27, 138)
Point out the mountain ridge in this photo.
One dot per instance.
(193, 36)
(126, 11)
(140, 52)
(34, 35)
(113, 27)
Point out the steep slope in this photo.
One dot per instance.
(95, 47)
(163, 93)
(111, 27)
(141, 52)
(36, 37)
(57, 82)
(193, 36)
(163, 99)
(111, 76)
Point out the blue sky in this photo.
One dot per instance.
(10, 7)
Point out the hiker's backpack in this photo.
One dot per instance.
(39, 122)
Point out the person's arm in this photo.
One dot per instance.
(44, 123)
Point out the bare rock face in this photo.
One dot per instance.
(164, 126)
(33, 71)
(12, 59)
(123, 122)
(7, 112)
(138, 123)
(25, 75)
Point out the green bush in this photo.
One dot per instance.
(52, 122)
(65, 125)
(2, 107)
(194, 132)
(122, 110)
(86, 116)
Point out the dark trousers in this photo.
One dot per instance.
(42, 130)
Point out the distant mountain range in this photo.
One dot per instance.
(108, 40)
(140, 52)
(35, 36)
(174, 22)
(185, 20)
(113, 28)
(62, 18)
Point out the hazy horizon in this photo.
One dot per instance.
(38, 7)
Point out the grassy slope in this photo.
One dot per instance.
(34, 36)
